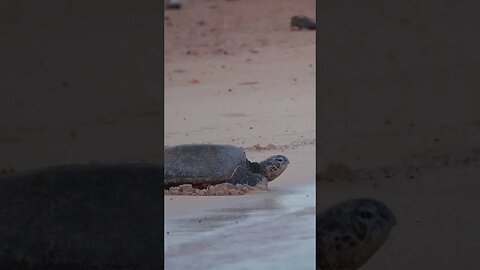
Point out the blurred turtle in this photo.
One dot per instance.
(351, 232)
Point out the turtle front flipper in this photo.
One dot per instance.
(243, 176)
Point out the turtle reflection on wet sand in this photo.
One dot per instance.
(351, 232)
(202, 165)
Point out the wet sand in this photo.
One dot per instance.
(263, 231)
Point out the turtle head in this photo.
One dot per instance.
(375, 214)
(273, 166)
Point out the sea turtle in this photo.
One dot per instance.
(207, 164)
(351, 232)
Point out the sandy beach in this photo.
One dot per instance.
(249, 83)
(398, 105)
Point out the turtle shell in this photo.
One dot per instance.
(201, 163)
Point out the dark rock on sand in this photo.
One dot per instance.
(302, 22)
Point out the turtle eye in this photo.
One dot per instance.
(280, 159)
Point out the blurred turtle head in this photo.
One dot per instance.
(374, 213)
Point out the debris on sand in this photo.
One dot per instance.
(258, 147)
(174, 5)
(302, 22)
(336, 172)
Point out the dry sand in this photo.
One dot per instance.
(232, 79)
